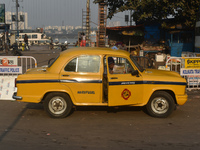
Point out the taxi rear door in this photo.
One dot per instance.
(123, 87)
(82, 76)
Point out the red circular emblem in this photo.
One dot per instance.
(4, 61)
(126, 94)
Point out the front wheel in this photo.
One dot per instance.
(58, 105)
(161, 105)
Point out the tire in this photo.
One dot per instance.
(160, 105)
(58, 105)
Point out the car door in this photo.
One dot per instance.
(123, 87)
(82, 76)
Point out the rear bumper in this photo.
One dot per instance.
(16, 97)
(181, 99)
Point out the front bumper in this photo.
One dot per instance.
(181, 99)
(16, 97)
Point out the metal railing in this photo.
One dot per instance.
(25, 62)
(190, 73)
(10, 68)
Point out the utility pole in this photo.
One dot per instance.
(130, 17)
(88, 23)
(17, 5)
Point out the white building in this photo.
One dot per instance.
(47, 27)
(78, 27)
(114, 24)
(70, 27)
(22, 17)
(63, 27)
(59, 28)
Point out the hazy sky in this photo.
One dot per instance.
(57, 12)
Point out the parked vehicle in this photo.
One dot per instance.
(15, 51)
(100, 77)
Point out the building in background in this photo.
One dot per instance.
(10, 18)
(114, 24)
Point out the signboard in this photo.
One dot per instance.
(11, 70)
(192, 63)
(7, 87)
(8, 61)
(2, 13)
(187, 72)
(193, 80)
(8, 65)
(193, 76)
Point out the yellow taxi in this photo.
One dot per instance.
(100, 77)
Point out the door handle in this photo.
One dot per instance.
(65, 75)
(114, 78)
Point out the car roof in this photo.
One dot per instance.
(93, 50)
(70, 53)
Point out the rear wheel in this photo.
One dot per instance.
(161, 105)
(58, 105)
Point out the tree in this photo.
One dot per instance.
(184, 11)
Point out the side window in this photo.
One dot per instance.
(119, 65)
(84, 63)
(128, 67)
(34, 36)
(71, 66)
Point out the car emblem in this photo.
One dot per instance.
(126, 94)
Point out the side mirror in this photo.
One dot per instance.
(135, 72)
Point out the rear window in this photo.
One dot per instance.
(84, 63)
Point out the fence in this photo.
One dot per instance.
(10, 68)
(187, 67)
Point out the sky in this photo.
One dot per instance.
(43, 13)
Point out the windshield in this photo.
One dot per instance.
(136, 63)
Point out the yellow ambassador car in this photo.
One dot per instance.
(100, 77)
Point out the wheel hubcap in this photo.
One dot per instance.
(57, 105)
(159, 105)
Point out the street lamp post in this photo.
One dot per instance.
(17, 5)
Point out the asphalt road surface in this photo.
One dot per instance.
(27, 126)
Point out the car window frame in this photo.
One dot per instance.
(138, 66)
(77, 61)
(116, 58)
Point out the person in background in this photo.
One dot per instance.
(26, 41)
(76, 44)
(123, 47)
(111, 64)
(51, 45)
(83, 40)
(114, 47)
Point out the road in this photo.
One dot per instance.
(27, 126)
